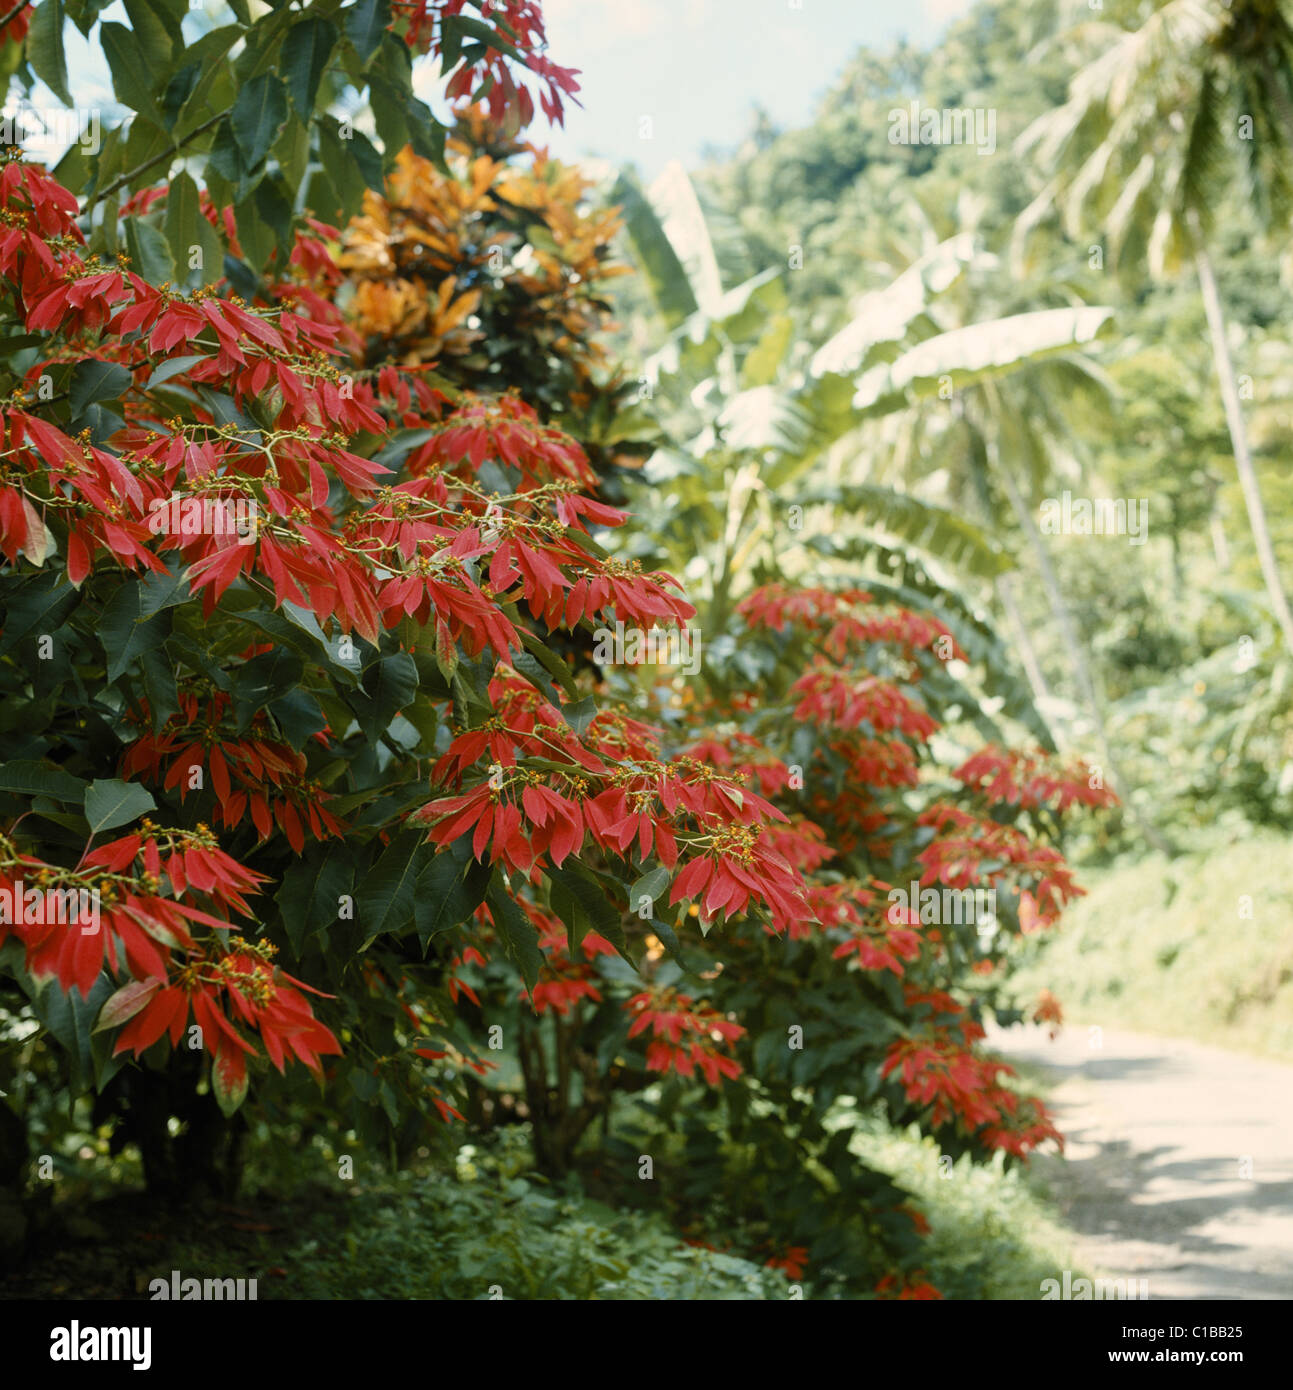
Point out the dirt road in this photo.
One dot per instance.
(1179, 1163)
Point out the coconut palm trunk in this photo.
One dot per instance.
(1239, 434)
(1027, 651)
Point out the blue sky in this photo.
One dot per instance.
(698, 67)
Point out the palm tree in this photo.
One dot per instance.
(759, 419)
(1004, 435)
(1147, 141)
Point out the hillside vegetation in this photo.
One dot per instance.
(1197, 948)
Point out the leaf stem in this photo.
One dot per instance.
(14, 13)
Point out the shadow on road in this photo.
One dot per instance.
(1179, 1160)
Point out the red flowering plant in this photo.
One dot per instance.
(854, 900)
(779, 1029)
(256, 583)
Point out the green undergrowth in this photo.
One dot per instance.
(992, 1232)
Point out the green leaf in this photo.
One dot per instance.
(363, 1084)
(400, 445)
(765, 417)
(159, 686)
(156, 33)
(73, 171)
(150, 256)
(175, 366)
(300, 630)
(135, 620)
(977, 353)
(262, 680)
(389, 114)
(650, 886)
(273, 203)
(945, 534)
(367, 160)
(147, 139)
(385, 900)
(111, 803)
(669, 940)
(366, 23)
(525, 665)
(346, 152)
(35, 608)
(470, 685)
(662, 269)
(305, 56)
(551, 661)
(580, 714)
(764, 360)
(884, 315)
(187, 230)
(94, 380)
(127, 1002)
(255, 236)
(257, 117)
(132, 79)
(45, 48)
(292, 153)
(158, 591)
(387, 687)
(299, 715)
(583, 903)
(426, 134)
(215, 74)
(451, 36)
(30, 777)
(311, 893)
(518, 934)
(70, 1019)
(449, 890)
(18, 341)
(485, 33)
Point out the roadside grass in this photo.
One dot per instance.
(993, 1233)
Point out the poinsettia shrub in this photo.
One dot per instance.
(777, 972)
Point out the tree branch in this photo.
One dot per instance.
(134, 173)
